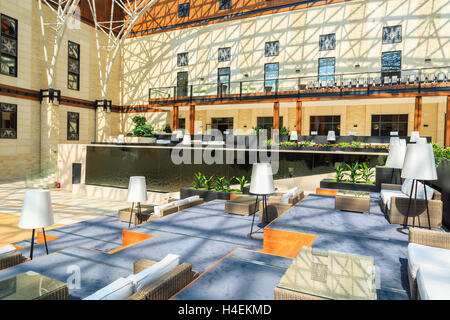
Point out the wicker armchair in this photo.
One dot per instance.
(166, 286)
(275, 208)
(431, 238)
(12, 260)
(399, 209)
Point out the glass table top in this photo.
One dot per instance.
(331, 275)
(28, 286)
(356, 194)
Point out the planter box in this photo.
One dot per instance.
(443, 184)
(382, 175)
(330, 184)
(207, 195)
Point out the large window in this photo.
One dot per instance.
(224, 4)
(323, 124)
(73, 76)
(73, 126)
(222, 124)
(183, 10)
(391, 64)
(223, 81)
(182, 84)
(181, 123)
(266, 123)
(326, 69)
(8, 121)
(392, 34)
(270, 76)
(384, 124)
(8, 49)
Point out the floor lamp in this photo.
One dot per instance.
(36, 213)
(419, 165)
(261, 184)
(396, 157)
(137, 193)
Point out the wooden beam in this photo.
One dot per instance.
(418, 114)
(175, 118)
(191, 119)
(276, 115)
(447, 124)
(298, 117)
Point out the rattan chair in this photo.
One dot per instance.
(275, 208)
(11, 260)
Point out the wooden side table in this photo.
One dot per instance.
(352, 201)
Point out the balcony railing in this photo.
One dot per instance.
(409, 80)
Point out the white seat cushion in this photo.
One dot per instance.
(158, 209)
(408, 185)
(433, 282)
(118, 290)
(386, 196)
(419, 255)
(153, 273)
(193, 198)
(7, 250)
(288, 195)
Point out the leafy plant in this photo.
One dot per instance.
(208, 182)
(219, 183)
(354, 171)
(344, 145)
(242, 181)
(143, 131)
(199, 179)
(357, 144)
(256, 130)
(367, 172)
(288, 144)
(269, 142)
(305, 143)
(284, 131)
(440, 153)
(167, 129)
(339, 173)
(227, 184)
(139, 120)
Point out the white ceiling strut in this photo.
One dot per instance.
(61, 13)
(116, 32)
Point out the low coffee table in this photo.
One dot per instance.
(243, 205)
(33, 286)
(320, 274)
(146, 212)
(356, 201)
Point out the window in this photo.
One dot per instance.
(224, 54)
(183, 10)
(222, 124)
(223, 81)
(384, 124)
(73, 76)
(323, 124)
(8, 51)
(8, 121)
(326, 69)
(327, 42)
(391, 64)
(270, 76)
(73, 126)
(272, 48)
(181, 123)
(266, 123)
(392, 34)
(182, 84)
(182, 59)
(224, 4)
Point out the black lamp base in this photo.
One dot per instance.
(251, 233)
(407, 216)
(32, 243)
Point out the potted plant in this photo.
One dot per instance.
(284, 134)
(142, 131)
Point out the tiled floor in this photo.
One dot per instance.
(67, 209)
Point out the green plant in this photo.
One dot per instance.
(344, 145)
(167, 129)
(269, 142)
(440, 153)
(208, 182)
(219, 183)
(367, 172)
(199, 179)
(354, 171)
(227, 184)
(357, 144)
(305, 143)
(339, 173)
(256, 130)
(139, 120)
(288, 144)
(143, 131)
(242, 181)
(284, 131)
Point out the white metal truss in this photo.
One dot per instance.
(116, 33)
(61, 13)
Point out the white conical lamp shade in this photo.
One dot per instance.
(415, 135)
(186, 139)
(421, 140)
(331, 136)
(37, 210)
(419, 162)
(262, 179)
(394, 140)
(396, 157)
(294, 135)
(137, 189)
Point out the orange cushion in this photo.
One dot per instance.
(327, 192)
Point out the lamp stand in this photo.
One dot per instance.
(138, 214)
(32, 243)
(395, 176)
(264, 205)
(414, 187)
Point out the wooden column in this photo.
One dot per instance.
(191, 119)
(418, 114)
(298, 117)
(175, 118)
(447, 124)
(276, 115)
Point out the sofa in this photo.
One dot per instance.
(279, 203)
(428, 264)
(178, 205)
(395, 200)
(150, 281)
(10, 257)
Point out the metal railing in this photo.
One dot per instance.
(338, 84)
